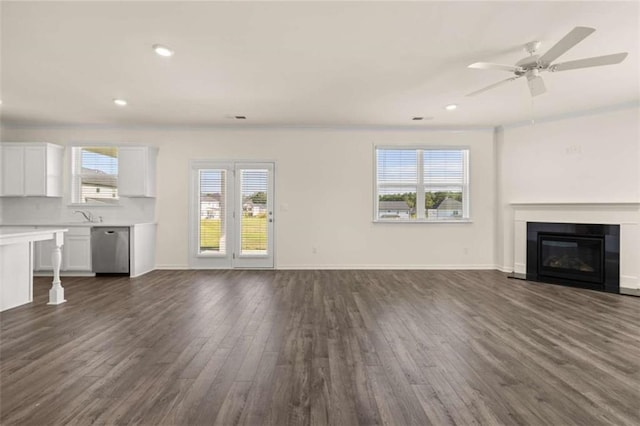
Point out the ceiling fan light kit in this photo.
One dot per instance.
(533, 65)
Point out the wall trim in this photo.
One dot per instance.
(629, 282)
(356, 267)
(390, 267)
(244, 127)
(630, 291)
(574, 114)
(170, 266)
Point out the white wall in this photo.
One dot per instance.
(326, 179)
(594, 158)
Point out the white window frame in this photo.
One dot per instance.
(419, 185)
(73, 183)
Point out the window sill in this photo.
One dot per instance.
(91, 205)
(422, 221)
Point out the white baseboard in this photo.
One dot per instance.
(358, 267)
(167, 267)
(63, 274)
(504, 268)
(629, 281)
(389, 267)
(139, 274)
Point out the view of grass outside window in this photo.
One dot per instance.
(94, 175)
(213, 201)
(211, 234)
(253, 215)
(422, 184)
(253, 228)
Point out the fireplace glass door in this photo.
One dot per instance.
(571, 257)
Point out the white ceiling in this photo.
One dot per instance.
(303, 63)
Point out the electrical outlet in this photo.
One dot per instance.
(314, 250)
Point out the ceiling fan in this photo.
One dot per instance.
(531, 66)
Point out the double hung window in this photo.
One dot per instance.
(422, 184)
(94, 175)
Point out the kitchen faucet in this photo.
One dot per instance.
(87, 215)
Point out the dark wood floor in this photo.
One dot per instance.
(321, 347)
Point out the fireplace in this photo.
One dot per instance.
(573, 257)
(582, 255)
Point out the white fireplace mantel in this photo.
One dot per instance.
(625, 214)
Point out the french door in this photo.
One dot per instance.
(231, 223)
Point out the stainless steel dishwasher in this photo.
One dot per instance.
(110, 249)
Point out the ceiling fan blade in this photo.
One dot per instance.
(493, 85)
(574, 37)
(490, 66)
(536, 85)
(596, 61)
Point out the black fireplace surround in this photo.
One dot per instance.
(575, 254)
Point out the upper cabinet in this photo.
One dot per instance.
(31, 170)
(137, 171)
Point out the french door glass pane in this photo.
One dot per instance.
(253, 227)
(212, 206)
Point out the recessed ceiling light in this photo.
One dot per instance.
(120, 102)
(451, 107)
(162, 50)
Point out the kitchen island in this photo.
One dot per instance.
(16, 264)
(77, 254)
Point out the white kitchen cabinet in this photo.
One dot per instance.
(31, 170)
(12, 170)
(76, 252)
(137, 171)
(42, 255)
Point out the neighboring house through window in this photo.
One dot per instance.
(422, 184)
(94, 175)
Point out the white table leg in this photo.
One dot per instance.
(56, 293)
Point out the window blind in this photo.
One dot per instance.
(397, 179)
(421, 184)
(253, 229)
(95, 175)
(444, 179)
(212, 206)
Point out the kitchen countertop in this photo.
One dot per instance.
(16, 274)
(78, 224)
(13, 232)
